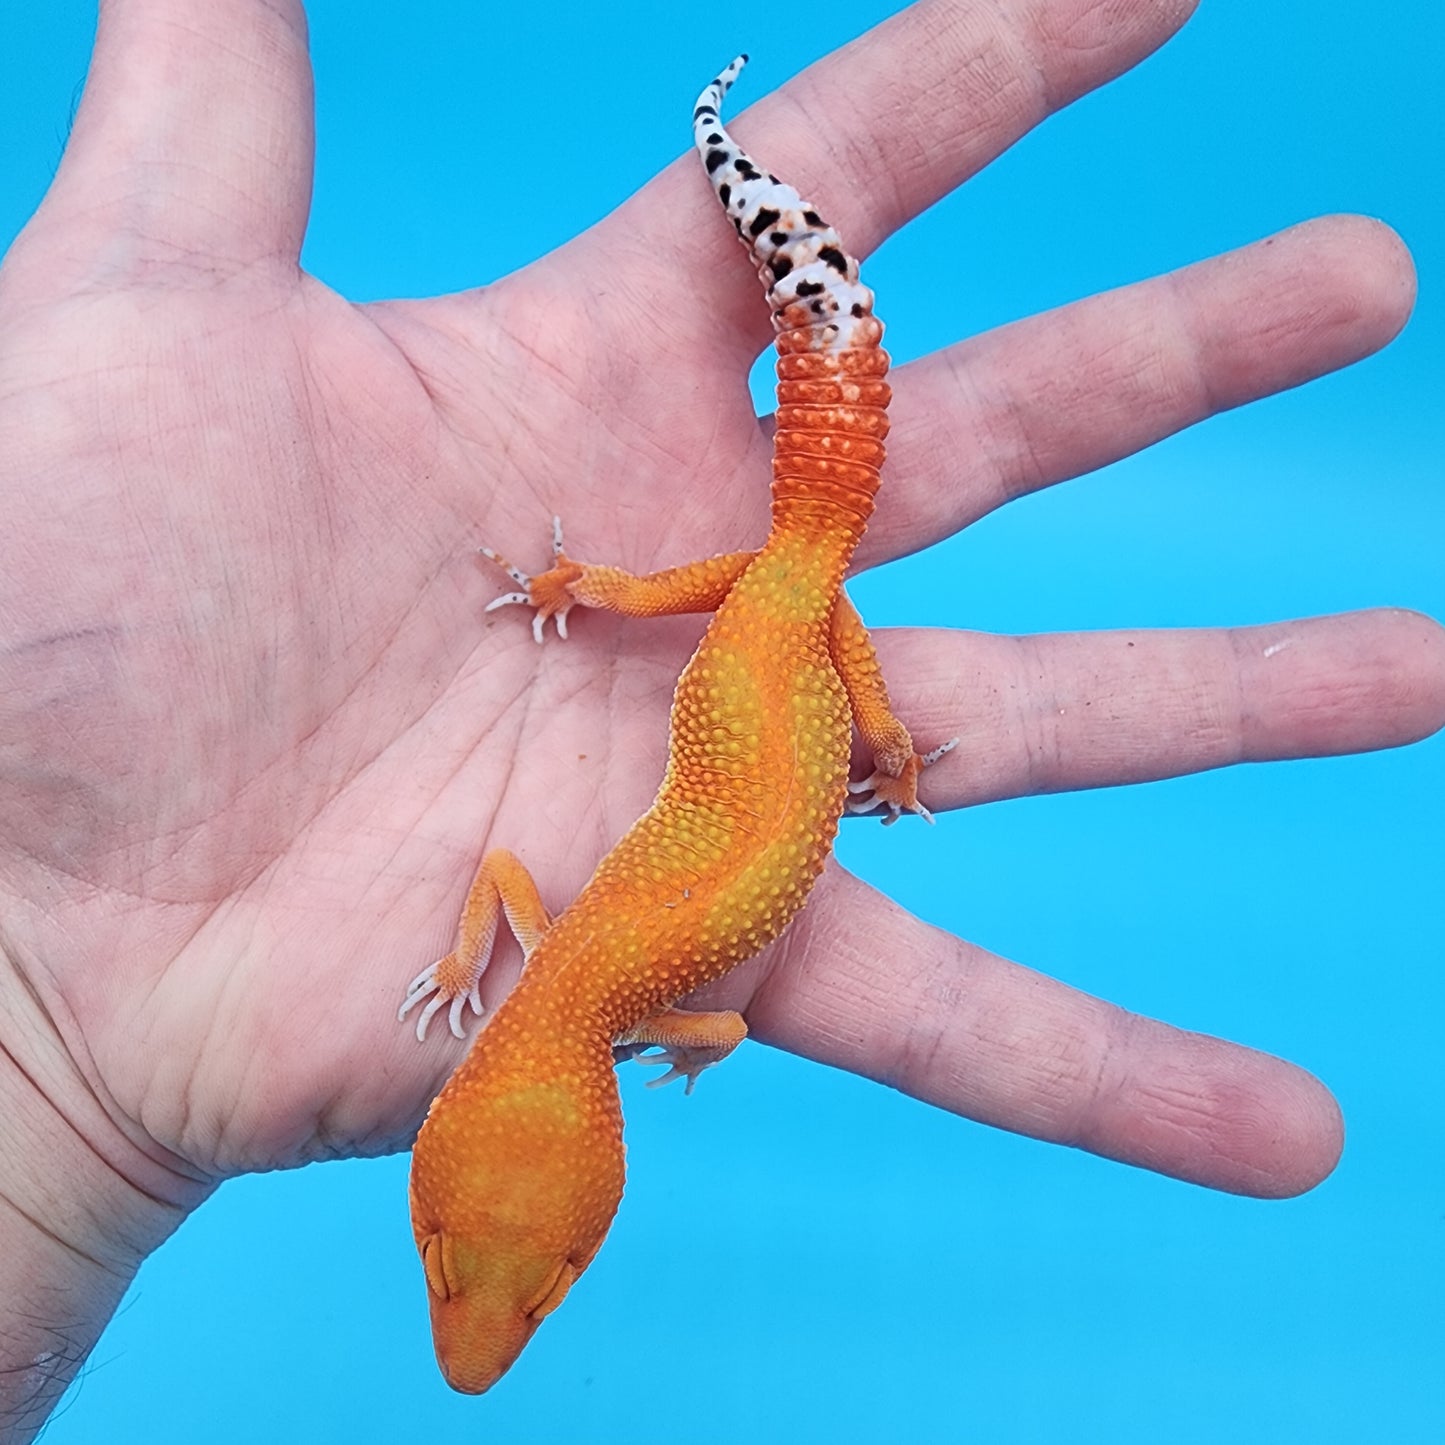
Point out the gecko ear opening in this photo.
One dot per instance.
(433, 1261)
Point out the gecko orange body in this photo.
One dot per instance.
(518, 1169)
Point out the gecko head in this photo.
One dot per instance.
(486, 1303)
(512, 1193)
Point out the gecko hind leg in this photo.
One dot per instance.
(567, 583)
(502, 888)
(893, 783)
(690, 1042)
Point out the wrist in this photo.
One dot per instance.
(83, 1200)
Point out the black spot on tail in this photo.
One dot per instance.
(832, 256)
(764, 218)
(716, 159)
(780, 266)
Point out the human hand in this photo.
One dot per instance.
(257, 742)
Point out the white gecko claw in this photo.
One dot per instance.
(897, 794)
(550, 600)
(515, 573)
(426, 985)
(682, 1063)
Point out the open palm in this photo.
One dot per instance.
(257, 729)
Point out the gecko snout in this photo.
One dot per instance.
(485, 1305)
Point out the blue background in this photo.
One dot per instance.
(803, 1256)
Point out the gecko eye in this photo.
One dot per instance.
(555, 1292)
(433, 1261)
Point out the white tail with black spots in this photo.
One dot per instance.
(811, 281)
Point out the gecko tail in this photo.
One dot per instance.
(811, 280)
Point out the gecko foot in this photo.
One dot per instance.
(550, 592)
(898, 794)
(688, 1042)
(437, 985)
(682, 1062)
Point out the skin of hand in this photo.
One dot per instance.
(256, 730)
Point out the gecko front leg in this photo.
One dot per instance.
(502, 887)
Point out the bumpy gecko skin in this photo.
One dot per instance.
(518, 1169)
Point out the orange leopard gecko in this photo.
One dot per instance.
(518, 1169)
